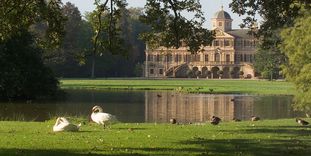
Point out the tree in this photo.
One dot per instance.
(20, 14)
(169, 28)
(67, 60)
(277, 15)
(104, 21)
(296, 46)
(22, 72)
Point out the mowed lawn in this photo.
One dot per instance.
(188, 85)
(267, 137)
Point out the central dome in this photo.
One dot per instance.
(222, 14)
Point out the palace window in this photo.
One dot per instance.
(179, 58)
(149, 57)
(169, 58)
(176, 58)
(216, 43)
(217, 57)
(188, 58)
(238, 42)
(206, 58)
(161, 71)
(227, 42)
(197, 58)
(151, 71)
(227, 58)
(158, 58)
(221, 43)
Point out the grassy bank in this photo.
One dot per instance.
(187, 85)
(269, 137)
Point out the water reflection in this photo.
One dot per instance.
(150, 106)
(160, 107)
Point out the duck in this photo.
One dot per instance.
(255, 118)
(63, 125)
(101, 118)
(302, 122)
(215, 120)
(173, 121)
(236, 119)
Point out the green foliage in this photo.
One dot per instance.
(170, 30)
(68, 59)
(20, 14)
(22, 72)
(296, 46)
(105, 21)
(276, 16)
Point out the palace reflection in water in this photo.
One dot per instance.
(151, 106)
(186, 108)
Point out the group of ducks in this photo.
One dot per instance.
(98, 116)
(216, 120)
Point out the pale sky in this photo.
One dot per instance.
(209, 8)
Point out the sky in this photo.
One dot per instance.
(209, 7)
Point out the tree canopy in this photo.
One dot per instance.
(20, 14)
(296, 46)
(169, 28)
(276, 15)
(22, 72)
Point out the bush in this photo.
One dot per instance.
(22, 72)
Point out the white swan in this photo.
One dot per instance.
(62, 124)
(102, 118)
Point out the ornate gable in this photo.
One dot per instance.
(221, 33)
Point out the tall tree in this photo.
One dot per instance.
(277, 15)
(66, 60)
(22, 72)
(296, 46)
(169, 28)
(104, 21)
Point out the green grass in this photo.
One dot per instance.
(187, 85)
(268, 137)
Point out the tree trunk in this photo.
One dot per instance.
(93, 66)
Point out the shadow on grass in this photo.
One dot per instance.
(251, 147)
(280, 130)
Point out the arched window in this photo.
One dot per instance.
(217, 57)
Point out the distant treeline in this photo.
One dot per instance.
(72, 59)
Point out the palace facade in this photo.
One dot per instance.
(231, 55)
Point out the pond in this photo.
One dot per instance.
(153, 106)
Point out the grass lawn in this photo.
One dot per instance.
(268, 137)
(187, 85)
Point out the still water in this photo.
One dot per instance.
(153, 106)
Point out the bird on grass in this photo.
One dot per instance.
(173, 121)
(236, 119)
(215, 120)
(255, 118)
(102, 118)
(302, 122)
(62, 124)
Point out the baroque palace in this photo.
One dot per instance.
(231, 55)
